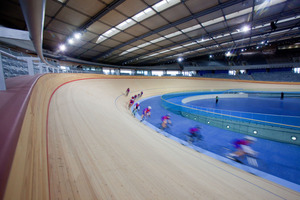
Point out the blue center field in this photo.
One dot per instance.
(274, 106)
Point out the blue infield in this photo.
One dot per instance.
(278, 162)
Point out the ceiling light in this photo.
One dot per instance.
(180, 59)
(77, 36)
(71, 41)
(245, 28)
(62, 47)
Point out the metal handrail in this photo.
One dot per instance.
(34, 15)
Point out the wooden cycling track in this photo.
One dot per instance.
(79, 141)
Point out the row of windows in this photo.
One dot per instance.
(160, 72)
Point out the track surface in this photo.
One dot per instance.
(97, 150)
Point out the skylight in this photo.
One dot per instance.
(162, 5)
(244, 39)
(157, 40)
(266, 4)
(189, 44)
(191, 28)
(144, 14)
(176, 48)
(148, 12)
(239, 13)
(173, 34)
(111, 32)
(126, 24)
(144, 45)
(288, 19)
(165, 51)
(213, 21)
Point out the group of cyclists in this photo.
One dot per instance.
(133, 98)
(242, 146)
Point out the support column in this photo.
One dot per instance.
(40, 68)
(30, 67)
(2, 79)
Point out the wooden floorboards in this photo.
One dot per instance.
(97, 150)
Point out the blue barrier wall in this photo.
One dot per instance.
(281, 128)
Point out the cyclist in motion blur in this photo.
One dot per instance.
(135, 108)
(194, 135)
(146, 113)
(243, 148)
(165, 121)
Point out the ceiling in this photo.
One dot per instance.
(154, 32)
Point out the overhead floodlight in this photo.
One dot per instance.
(210, 56)
(228, 54)
(71, 41)
(180, 59)
(77, 36)
(245, 28)
(62, 47)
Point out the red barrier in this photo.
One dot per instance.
(13, 105)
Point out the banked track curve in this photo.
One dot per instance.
(98, 151)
